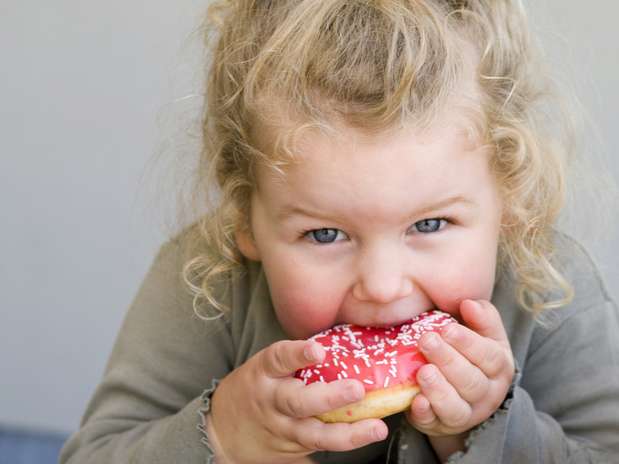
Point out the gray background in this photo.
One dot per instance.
(91, 111)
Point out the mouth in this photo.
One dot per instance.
(396, 321)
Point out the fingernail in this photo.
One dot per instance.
(427, 375)
(379, 433)
(424, 405)
(450, 332)
(311, 352)
(477, 305)
(430, 342)
(353, 393)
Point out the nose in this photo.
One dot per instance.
(383, 276)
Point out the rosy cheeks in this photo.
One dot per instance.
(303, 319)
(466, 276)
(450, 290)
(304, 310)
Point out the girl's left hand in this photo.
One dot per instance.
(469, 373)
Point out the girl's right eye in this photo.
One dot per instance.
(322, 236)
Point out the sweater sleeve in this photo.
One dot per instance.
(148, 407)
(565, 405)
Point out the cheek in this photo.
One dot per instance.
(463, 279)
(304, 305)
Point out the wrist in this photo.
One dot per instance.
(216, 448)
(446, 445)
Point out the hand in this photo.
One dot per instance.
(261, 413)
(469, 373)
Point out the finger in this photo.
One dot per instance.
(316, 435)
(295, 399)
(284, 358)
(483, 317)
(468, 379)
(489, 356)
(421, 413)
(448, 406)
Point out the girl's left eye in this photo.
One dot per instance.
(427, 226)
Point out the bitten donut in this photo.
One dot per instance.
(385, 360)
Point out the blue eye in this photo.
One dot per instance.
(428, 226)
(324, 235)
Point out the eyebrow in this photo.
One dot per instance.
(288, 210)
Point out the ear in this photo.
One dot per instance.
(246, 244)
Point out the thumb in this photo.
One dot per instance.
(283, 358)
(483, 317)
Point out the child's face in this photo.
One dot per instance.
(379, 252)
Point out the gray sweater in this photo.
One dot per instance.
(563, 406)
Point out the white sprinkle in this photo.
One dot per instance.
(356, 369)
(343, 364)
(316, 371)
(386, 382)
(322, 379)
(368, 381)
(339, 376)
(345, 374)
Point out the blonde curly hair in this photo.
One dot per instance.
(377, 64)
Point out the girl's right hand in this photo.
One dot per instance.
(261, 413)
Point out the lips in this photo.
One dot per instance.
(385, 317)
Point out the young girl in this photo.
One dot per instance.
(374, 160)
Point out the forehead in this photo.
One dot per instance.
(286, 139)
(370, 175)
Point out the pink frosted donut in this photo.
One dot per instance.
(385, 360)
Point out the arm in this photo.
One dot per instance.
(565, 405)
(146, 408)
(149, 407)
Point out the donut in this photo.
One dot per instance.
(384, 359)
